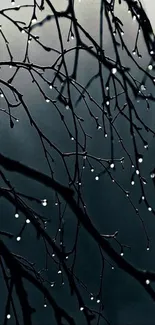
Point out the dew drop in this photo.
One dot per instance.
(114, 70)
(150, 67)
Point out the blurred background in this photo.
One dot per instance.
(125, 302)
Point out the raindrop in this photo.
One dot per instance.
(152, 175)
(112, 165)
(44, 202)
(59, 272)
(114, 70)
(150, 67)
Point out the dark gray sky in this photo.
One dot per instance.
(124, 300)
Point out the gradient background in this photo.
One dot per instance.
(124, 300)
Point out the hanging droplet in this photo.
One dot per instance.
(92, 170)
(96, 178)
(53, 255)
(28, 221)
(91, 298)
(67, 107)
(142, 87)
(112, 267)
(122, 254)
(98, 301)
(16, 215)
(59, 272)
(150, 67)
(105, 135)
(152, 175)
(140, 159)
(44, 202)
(114, 70)
(1, 95)
(18, 238)
(45, 305)
(112, 165)
(8, 316)
(81, 308)
(72, 138)
(132, 182)
(148, 248)
(143, 197)
(147, 281)
(50, 86)
(149, 209)
(137, 171)
(34, 20)
(52, 284)
(47, 100)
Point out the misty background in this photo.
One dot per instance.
(125, 302)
